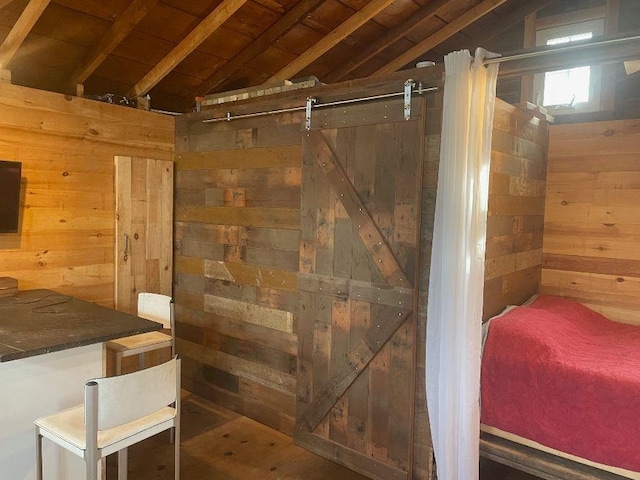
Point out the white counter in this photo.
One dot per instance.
(34, 387)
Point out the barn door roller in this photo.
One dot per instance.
(408, 87)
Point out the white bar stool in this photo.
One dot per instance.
(117, 413)
(152, 306)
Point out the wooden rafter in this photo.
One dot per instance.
(441, 35)
(508, 21)
(259, 45)
(122, 26)
(20, 30)
(414, 20)
(502, 24)
(198, 35)
(343, 30)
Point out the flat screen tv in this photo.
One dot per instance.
(9, 195)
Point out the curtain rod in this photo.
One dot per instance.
(577, 46)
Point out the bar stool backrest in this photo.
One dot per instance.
(122, 399)
(156, 307)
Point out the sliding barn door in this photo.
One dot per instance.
(358, 256)
(144, 229)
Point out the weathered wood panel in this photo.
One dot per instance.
(236, 252)
(237, 242)
(360, 193)
(592, 217)
(66, 146)
(513, 258)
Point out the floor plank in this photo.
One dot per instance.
(219, 444)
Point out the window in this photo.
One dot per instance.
(572, 90)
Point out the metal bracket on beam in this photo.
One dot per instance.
(307, 113)
(408, 87)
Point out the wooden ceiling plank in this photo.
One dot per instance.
(20, 30)
(192, 41)
(276, 31)
(422, 14)
(508, 21)
(4, 3)
(121, 27)
(343, 30)
(441, 35)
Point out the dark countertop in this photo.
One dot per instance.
(36, 322)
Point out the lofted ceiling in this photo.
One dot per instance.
(177, 50)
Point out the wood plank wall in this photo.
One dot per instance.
(237, 235)
(513, 259)
(592, 217)
(237, 254)
(66, 146)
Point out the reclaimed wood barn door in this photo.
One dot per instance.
(144, 229)
(360, 211)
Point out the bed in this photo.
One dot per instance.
(560, 391)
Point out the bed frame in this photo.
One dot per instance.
(536, 462)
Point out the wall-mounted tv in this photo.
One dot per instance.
(9, 195)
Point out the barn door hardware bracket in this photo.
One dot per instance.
(311, 101)
(408, 88)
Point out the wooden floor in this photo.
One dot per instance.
(218, 444)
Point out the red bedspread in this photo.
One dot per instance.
(568, 378)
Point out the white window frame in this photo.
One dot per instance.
(542, 35)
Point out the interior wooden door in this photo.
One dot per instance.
(144, 229)
(358, 260)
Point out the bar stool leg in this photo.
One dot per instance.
(118, 363)
(122, 464)
(38, 454)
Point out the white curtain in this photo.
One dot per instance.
(454, 312)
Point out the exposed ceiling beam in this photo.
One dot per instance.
(192, 41)
(20, 30)
(422, 14)
(441, 35)
(274, 33)
(499, 25)
(121, 27)
(342, 31)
